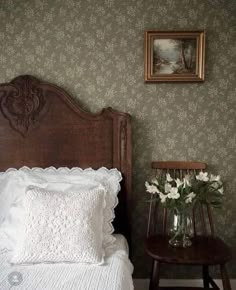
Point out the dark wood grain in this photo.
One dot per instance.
(205, 276)
(204, 251)
(225, 277)
(178, 165)
(181, 288)
(154, 280)
(42, 125)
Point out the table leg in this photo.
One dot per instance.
(225, 277)
(155, 276)
(205, 275)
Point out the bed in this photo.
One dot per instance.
(43, 126)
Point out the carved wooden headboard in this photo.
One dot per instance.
(41, 125)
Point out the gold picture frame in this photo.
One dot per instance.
(174, 56)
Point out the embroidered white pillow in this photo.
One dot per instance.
(62, 227)
(14, 183)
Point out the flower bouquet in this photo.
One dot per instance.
(180, 195)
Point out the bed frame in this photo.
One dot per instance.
(41, 125)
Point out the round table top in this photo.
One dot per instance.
(205, 250)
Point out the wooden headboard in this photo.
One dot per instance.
(41, 125)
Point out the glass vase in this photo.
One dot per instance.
(181, 229)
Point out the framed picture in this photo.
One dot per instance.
(174, 56)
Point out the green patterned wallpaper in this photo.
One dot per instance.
(94, 49)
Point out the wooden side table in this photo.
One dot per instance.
(205, 251)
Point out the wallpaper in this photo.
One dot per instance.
(95, 50)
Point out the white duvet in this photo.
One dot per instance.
(114, 274)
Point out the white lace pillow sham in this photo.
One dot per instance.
(14, 183)
(62, 227)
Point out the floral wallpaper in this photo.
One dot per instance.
(95, 50)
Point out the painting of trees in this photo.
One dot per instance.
(174, 56)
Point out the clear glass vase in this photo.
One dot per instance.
(181, 229)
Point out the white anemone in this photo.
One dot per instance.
(167, 187)
(155, 181)
(214, 177)
(168, 177)
(173, 194)
(202, 176)
(187, 180)
(178, 182)
(190, 197)
(163, 197)
(221, 190)
(151, 188)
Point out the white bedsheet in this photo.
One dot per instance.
(114, 274)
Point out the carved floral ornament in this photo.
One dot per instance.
(22, 103)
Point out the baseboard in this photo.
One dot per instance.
(142, 284)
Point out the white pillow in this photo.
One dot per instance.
(15, 182)
(62, 227)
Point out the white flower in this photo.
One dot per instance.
(221, 190)
(173, 194)
(190, 197)
(151, 188)
(168, 177)
(202, 176)
(178, 182)
(163, 197)
(217, 183)
(214, 177)
(186, 181)
(167, 187)
(154, 181)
